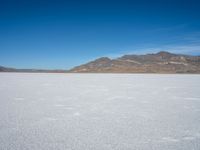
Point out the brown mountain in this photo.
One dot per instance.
(162, 62)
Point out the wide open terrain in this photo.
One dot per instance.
(99, 111)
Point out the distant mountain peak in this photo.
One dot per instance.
(103, 59)
(164, 53)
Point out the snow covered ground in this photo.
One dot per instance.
(99, 112)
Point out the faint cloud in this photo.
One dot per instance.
(188, 43)
(171, 28)
(187, 49)
(193, 37)
(177, 49)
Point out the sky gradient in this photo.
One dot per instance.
(60, 34)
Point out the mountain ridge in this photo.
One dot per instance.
(161, 62)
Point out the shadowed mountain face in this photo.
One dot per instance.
(6, 69)
(162, 62)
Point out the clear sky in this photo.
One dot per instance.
(60, 34)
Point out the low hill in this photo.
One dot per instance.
(161, 62)
(6, 69)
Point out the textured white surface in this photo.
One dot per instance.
(99, 112)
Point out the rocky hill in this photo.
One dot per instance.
(162, 62)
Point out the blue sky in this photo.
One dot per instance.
(60, 34)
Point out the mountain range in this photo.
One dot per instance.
(161, 62)
(6, 69)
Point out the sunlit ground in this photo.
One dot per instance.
(99, 112)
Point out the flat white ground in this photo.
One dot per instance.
(99, 112)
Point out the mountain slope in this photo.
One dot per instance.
(162, 62)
